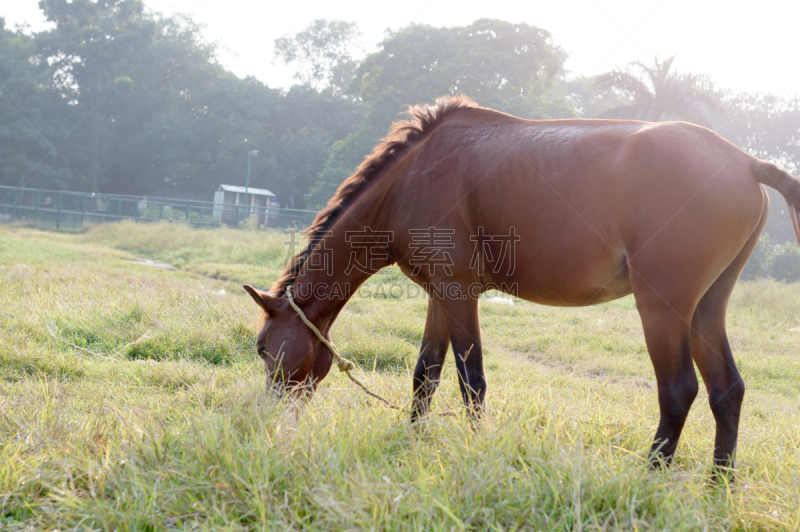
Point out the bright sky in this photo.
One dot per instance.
(750, 48)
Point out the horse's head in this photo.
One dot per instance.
(295, 359)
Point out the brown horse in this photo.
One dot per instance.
(560, 212)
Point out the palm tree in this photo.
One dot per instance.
(657, 94)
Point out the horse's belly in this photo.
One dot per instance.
(576, 296)
(573, 282)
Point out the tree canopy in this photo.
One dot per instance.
(657, 93)
(510, 67)
(25, 119)
(322, 54)
(116, 99)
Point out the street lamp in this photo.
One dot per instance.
(252, 153)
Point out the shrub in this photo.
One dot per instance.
(773, 261)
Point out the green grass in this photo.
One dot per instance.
(169, 428)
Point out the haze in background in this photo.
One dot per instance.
(748, 50)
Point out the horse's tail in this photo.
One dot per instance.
(785, 183)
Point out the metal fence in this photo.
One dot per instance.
(72, 209)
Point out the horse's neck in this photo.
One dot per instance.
(346, 257)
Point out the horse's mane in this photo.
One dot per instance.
(422, 120)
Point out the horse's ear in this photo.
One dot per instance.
(269, 303)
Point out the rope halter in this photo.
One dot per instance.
(343, 364)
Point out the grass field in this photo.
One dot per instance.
(160, 420)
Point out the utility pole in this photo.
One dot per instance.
(253, 153)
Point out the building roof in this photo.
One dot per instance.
(250, 190)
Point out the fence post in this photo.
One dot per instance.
(14, 211)
(36, 208)
(236, 215)
(58, 213)
(83, 207)
(108, 207)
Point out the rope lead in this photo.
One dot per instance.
(343, 364)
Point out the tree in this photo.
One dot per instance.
(173, 128)
(657, 93)
(306, 124)
(589, 99)
(93, 47)
(497, 63)
(31, 116)
(136, 103)
(322, 54)
(510, 67)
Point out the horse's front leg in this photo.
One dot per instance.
(435, 342)
(461, 316)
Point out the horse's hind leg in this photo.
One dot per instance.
(683, 321)
(667, 335)
(712, 354)
(435, 342)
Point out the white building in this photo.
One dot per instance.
(229, 204)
